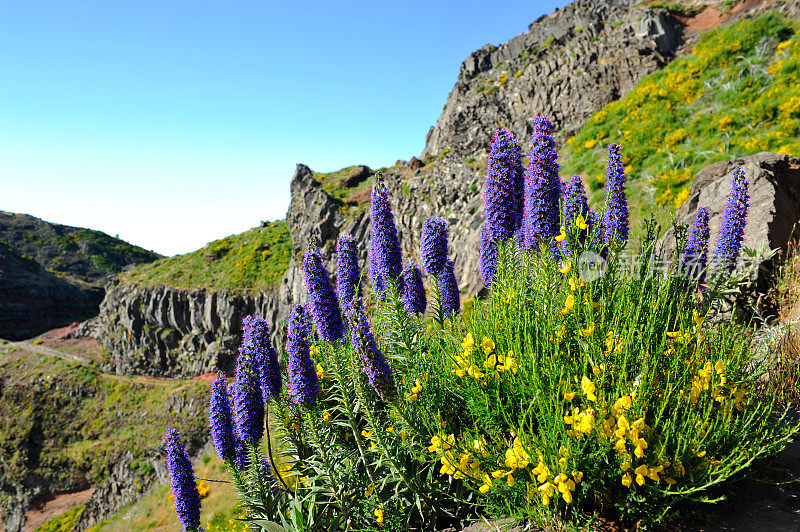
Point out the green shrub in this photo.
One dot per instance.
(63, 523)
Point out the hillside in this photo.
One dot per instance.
(736, 94)
(33, 299)
(253, 260)
(84, 254)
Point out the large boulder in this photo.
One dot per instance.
(774, 187)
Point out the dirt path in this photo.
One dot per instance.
(43, 510)
(43, 350)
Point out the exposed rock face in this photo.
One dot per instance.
(774, 187)
(175, 333)
(567, 66)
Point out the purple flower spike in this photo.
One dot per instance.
(379, 373)
(384, 242)
(502, 192)
(378, 280)
(433, 245)
(303, 383)
(542, 187)
(184, 487)
(348, 282)
(448, 289)
(414, 297)
(488, 251)
(731, 230)
(220, 419)
(248, 403)
(695, 256)
(615, 223)
(257, 345)
(322, 299)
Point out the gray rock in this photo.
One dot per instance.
(774, 187)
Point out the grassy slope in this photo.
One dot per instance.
(63, 422)
(255, 259)
(83, 254)
(737, 93)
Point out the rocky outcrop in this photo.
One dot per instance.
(567, 66)
(774, 187)
(175, 333)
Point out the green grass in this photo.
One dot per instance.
(333, 183)
(677, 7)
(253, 260)
(83, 423)
(736, 94)
(64, 522)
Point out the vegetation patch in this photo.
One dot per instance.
(736, 94)
(253, 260)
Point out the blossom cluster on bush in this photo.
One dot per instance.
(549, 385)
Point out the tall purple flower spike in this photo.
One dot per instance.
(542, 187)
(734, 219)
(220, 419)
(615, 223)
(303, 383)
(322, 300)
(433, 245)
(448, 290)
(414, 298)
(348, 274)
(695, 257)
(502, 192)
(379, 373)
(257, 345)
(248, 403)
(384, 242)
(184, 487)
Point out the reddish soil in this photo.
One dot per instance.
(42, 510)
(711, 17)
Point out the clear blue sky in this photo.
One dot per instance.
(174, 123)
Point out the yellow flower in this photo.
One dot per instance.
(567, 267)
(366, 433)
(627, 480)
(580, 221)
(588, 388)
(569, 396)
(403, 434)
(575, 283)
(326, 416)
(379, 515)
(569, 304)
(589, 144)
(369, 491)
(588, 332)
(487, 484)
(320, 372)
(390, 430)
(488, 345)
(562, 235)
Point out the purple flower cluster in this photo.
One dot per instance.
(542, 186)
(695, 256)
(384, 242)
(615, 223)
(734, 219)
(322, 299)
(248, 403)
(348, 275)
(379, 283)
(257, 344)
(502, 192)
(433, 245)
(414, 298)
(220, 419)
(488, 254)
(448, 289)
(184, 488)
(303, 383)
(379, 373)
